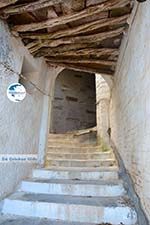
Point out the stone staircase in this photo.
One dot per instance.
(79, 185)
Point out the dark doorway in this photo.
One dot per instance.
(74, 105)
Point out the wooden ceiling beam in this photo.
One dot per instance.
(4, 3)
(60, 49)
(78, 5)
(82, 68)
(30, 7)
(87, 53)
(50, 23)
(103, 63)
(94, 2)
(89, 39)
(82, 29)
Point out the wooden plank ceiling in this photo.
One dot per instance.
(77, 34)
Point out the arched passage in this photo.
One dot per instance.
(74, 101)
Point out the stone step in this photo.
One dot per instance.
(61, 136)
(80, 163)
(98, 210)
(63, 141)
(20, 220)
(94, 155)
(63, 144)
(74, 187)
(71, 149)
(105, 173)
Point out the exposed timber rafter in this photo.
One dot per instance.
(50, 23)
(82, 29)
(78, 5)
(110, 54)
(97, 38)
(4, 3)
(77, 34)
(30, 7)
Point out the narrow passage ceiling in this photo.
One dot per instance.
(77, 34)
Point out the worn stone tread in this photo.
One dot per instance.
(73, 200)
(19, 220)
(82, 169)
(76, 181)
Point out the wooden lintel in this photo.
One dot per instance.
(81, 68)
(104, 63)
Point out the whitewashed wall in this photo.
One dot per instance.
(103, 94)
(23, 125)
(130, 105)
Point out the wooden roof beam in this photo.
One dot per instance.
(83, 68)
(4, 3)
(78, 5)
(82, 29)
(110, 4)
(111, 54)
(30, 7)
(81, 40)
(103, 63)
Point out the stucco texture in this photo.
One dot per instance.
(19, 122)
(130, 104)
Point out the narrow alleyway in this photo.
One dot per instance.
(75, 149)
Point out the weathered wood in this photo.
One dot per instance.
(103, 63)
(82, 29)
(59, 50)
(94, 2)
(4, 3)
(110, 4)
(82, 68)
(30, 7)
(66, 8)
(97, 38)
(111, 54)
(78, 5)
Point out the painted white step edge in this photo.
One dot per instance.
(103, 190)
(21, 220)
(104, 174)
(71, 212)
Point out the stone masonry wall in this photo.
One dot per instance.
(74, 101)
(130, 104)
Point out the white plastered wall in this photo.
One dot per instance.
(130, 103)
(104, 86)
(23, 125)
